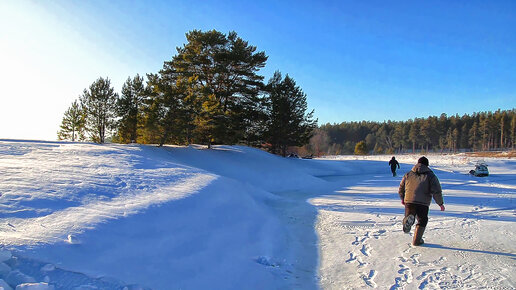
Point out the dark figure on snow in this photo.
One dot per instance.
(417, 188)
(393, 163)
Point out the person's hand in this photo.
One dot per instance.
(403, 202)
(442, 207)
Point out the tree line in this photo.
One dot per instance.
(482, 131)
(210, 92)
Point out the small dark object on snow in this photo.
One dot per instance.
(293, 155)
(480, 170)
(308, 156)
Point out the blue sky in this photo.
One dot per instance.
(355, 60)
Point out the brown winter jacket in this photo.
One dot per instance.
(419, 185)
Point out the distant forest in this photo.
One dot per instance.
(482, 131)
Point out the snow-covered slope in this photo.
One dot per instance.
(159, 217)
(114, 216)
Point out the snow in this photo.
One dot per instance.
(470, 245)
(35, 286)
(88, 216)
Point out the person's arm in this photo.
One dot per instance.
(436, 191)
(398, 164)
(401, 190)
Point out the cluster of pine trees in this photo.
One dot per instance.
(209, 93)
(482, 131)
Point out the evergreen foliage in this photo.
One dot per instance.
(220, 72)
(72, 125)
(99, 103)
(479, 131)
(129, 109)
(210, 92)
(288, 123)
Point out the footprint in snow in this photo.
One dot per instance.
(368, 279)
(361, 263)
(404, 279)
(352, 257)
(380, 234)
(366, 250)
(406, 273)
(431, 278)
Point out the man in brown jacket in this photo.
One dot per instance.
(417, 188)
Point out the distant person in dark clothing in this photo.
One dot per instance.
(393, 163)
(417, 188)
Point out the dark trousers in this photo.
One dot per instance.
(393, 170)
(420, 211)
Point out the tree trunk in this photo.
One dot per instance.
(163, 138)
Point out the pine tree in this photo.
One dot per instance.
(72, 126)
(288, 122)
(513, 131)
(473, 136)
(210, 122)
(414, 134)
(99, 103)
(464, 134)
(129, 109)
(223, 67)
(399, 136)
(167, 118)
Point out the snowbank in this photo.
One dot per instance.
(180, 216)
(88, 216)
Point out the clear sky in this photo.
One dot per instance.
(355, 60)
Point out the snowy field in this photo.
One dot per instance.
(87, 216)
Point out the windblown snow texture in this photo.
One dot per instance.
(87, 216)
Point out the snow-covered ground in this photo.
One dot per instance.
(470, 245)
(87, 216)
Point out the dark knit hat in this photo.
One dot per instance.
(423, 160)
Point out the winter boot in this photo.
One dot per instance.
(408, 221)
(418, 236)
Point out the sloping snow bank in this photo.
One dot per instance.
(250, 165)
(163, 218)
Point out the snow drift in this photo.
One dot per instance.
(88, 216)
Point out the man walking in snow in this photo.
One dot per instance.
(393, 163)
(417, 188)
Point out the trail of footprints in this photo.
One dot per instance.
(361, 252)
(431, 278)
